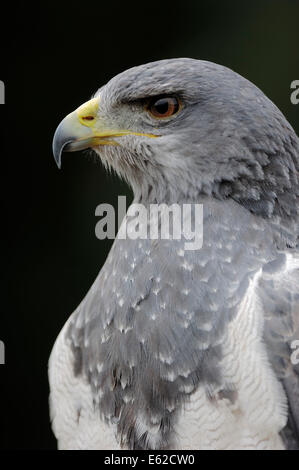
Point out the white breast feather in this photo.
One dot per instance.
(76, 422)
(260, 410)
(252, 422)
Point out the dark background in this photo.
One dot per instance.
(53, 57)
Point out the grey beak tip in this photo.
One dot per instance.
(57, 150)
(60, 141)
(64, 139)
(57, 146)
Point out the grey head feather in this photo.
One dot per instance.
(234, 141)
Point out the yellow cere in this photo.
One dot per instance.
(87, 115)
(87, 112)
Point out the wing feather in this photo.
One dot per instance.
(279, 291)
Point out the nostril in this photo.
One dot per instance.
(88, 118)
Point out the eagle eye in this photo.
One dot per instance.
(163, 107)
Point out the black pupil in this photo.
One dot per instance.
(162, 105)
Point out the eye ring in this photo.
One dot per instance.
(163, 106)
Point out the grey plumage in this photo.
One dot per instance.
(150, 331)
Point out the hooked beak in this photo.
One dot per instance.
(83, 128)
(79, 130)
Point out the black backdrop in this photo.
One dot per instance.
(53, 57)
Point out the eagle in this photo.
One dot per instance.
(174, 348)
